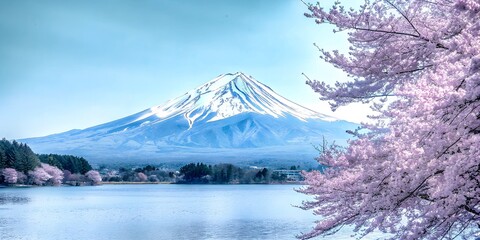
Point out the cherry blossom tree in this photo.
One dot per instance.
(21, 178)
(141, 177)
(55, 173)
(76, 177)
(415, 171)
(66, 175)
(39, 176)
(94, 176)
(10, 175)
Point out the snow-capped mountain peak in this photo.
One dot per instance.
(228, 95)
(232, 117)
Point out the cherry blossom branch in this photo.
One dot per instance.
(404, 16)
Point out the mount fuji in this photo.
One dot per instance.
(232, 118)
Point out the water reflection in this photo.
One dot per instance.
(12, 199)
(152, 212)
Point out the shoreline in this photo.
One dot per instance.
(132, 183)
(149, 183)
(140, 183)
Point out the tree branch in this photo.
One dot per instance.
(404, 16)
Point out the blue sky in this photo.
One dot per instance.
(76, 64)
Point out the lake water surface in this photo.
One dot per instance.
(164, 211)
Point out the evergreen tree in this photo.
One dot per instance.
(25, 158)
(3, 153)
(67, 162)
(51, 160)
(194, 172)
(8, 154)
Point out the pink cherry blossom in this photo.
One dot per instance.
(141, 177)
(94, 176)
(39, 176)
(10, 175)
(55, 173)
(414, 172)
(21, 178)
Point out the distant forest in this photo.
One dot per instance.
(20, 165)
(20, 157)
(66, 162)
(222, 173)
(228, 173)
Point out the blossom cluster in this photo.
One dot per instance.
(415, 172)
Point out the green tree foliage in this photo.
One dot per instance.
(195, 172)
(51, 160)
(295, 167)
(262, 175)
(149, 168)
(21, 158)
(7, 157)
(67, 162)
(278, 177)
(17, 155)
(226, 173)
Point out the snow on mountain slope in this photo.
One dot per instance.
(225, 96)
(232, 111)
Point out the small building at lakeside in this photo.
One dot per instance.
(290, 175)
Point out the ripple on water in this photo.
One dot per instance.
(12, 199)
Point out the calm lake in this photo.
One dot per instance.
(164, 211)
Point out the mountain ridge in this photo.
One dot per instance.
(233, 111)
(197, 103)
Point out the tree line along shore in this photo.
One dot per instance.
(20, 166)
